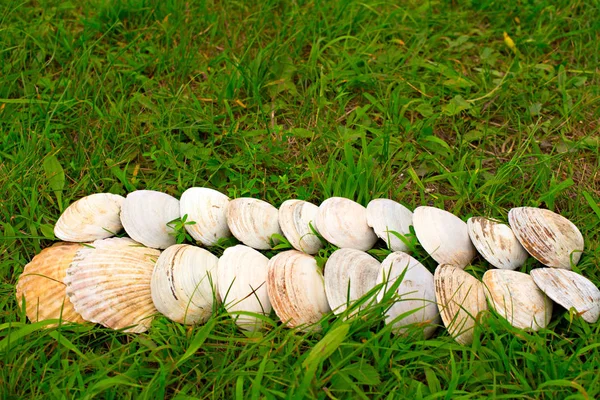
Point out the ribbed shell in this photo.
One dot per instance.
(387, 216)
(253, 222)
(90, 218)
(294, 219)
(208, 209)
(497, 243)
(183, 284)
(42, 285)
(109, 284)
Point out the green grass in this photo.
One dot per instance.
(425, 103)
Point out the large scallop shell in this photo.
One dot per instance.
(109, 284)
(515, 296)
(42, 285)
(145, 215)
(415, 292)
(184, 283)
(208, 209)
(460, 299)
(294, 219)
(549, 237)
(444, 236)
(343, 223)
(241, 280)
(497, 243)
(297, 290)
(253, 222)
(388, 218)
(90, 218)
(349, 275)
(569, 289)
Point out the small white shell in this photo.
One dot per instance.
(343, 223)
(253, 222)
(549, 237)
(90, 218)
(208, 209)
(497, 243)
(294, 219)
(145, 215)
(241, 279)
(444, 236)
(184, 283)
(569, 289)
(386, 216)
(515, 296)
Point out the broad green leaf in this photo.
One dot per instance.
(56, 176)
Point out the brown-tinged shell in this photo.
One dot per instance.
(253, 222)
(295, 219)
(497, 243)
(208, 209)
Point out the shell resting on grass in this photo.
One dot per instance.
(294, 219)
(253, 222)
(388, 218)
(497, 243)
(208, 209)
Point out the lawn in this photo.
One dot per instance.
(474, 107)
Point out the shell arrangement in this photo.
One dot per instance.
(123, 283)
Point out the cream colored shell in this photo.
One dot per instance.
(388, 218)
(497, 243)
(208, 209)
(295, 219)
(253, 222)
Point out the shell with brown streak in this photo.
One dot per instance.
(389, 218)
(295, 218)
(253, 222)
(208, 209)
(497, 243)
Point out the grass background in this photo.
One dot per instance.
(474, 107)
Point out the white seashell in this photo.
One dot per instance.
(570, 290)
(90, 218)
(296, 289)
(208, 209)
(183, 283)
(444, 236)
(343, 223)
(241, 280)
(415, 292)
(386, 216)
(461, 299)
(515, 296)
(109, 284)
(294, 219)
(253, 222)
(550, 238)
(145, 215)
(497, 243)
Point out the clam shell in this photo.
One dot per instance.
(90, 218)
(415, 292)
(253, 222)
(550, 238)
(343, 223)
(515, 296)
(569, 289)
(42, 285)
(109, 284)
(145, 215)
(296, 289)
(497, 243)
(241, 280)
(208, 209)
(460, 299)
(386, 216)
(444, 236)
(183, 284)
(349, 275)
(294, 219)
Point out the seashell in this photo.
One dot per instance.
(497, 243)
(343, 223)
(109, 284)
(569, 289)
(208, 208)
(294, 219)
(90, 218)
(550, 238)
(42, 285)
(145, 215)
(444, 236)
(349, 275)
(241, 280)
(183, 284)
(386, 216)
(460, 299)
(415, 292)
(253, 222)
(515, 296)
(297, 291)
